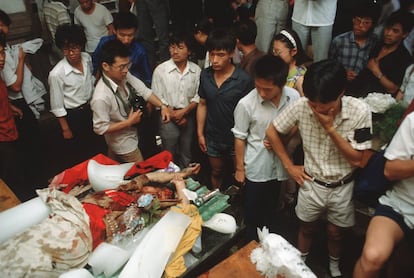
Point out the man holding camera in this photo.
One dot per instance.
(113, 102)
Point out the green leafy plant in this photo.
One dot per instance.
(385, 125)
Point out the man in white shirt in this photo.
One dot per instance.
(71, 86)
(256, 165)
(113, 116)
(96, 20)
(176, 81)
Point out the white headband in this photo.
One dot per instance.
(289, 37)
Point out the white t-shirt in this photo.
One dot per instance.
(401, 196)
(407, 86)
(94, 24)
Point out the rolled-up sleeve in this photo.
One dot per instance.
(57, 106)
(101, 116)
(241, 122)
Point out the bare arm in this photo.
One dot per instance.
(295, 171)
(201, 121)
(399, 169)
(165, 114)
(66, 131)
(239, 149)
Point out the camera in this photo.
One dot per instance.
(138, 102)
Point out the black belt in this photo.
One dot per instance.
(80, 107)
(345, 180)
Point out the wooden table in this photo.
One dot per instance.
(237, 265)
(7, 198)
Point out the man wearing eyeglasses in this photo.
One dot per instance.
(388, 60)
(113, 115)
(71, 85)
(352, 48)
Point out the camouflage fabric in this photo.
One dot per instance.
(61, 242)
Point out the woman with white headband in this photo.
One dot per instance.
(287, 45)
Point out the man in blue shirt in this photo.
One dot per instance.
(222, 85)
(125, 25)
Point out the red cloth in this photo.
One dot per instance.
(96, 223)
(158, 161)
(8, 130)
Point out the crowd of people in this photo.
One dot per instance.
(261, 86)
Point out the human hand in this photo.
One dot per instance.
(67, 134)
(297, 172)
(267, 144)
(134, 117)
(165, 114)
(326, 120)
(350, 75)
(16, 111)
(240, 176)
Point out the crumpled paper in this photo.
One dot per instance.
(276, 256)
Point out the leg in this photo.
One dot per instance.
(305, 237)
(303, 33)
(321, 39)
(381, 230)
(185, 142)
(335, 235)
(217, 167)
(145, 30)
(170, 133)
(159, 10)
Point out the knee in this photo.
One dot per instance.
(334, 233)
(372, 259)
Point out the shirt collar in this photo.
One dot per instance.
(68, 68)
(284, 99)
(171, 66)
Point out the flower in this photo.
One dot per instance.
(378, 102)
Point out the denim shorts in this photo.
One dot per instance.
(218, 149)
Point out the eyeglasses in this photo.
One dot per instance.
(73, 48)
(278, 52)
(358, 20)
(122, 67)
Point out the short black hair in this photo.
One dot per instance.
(183, 37)
(70, 34)
(221, 39)
(273, 68)
(324, 81)
(370, 10)
(4, 17)
(204, 25)
(405, 18)
(112, 49)
(246, 31)
(125, 20)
